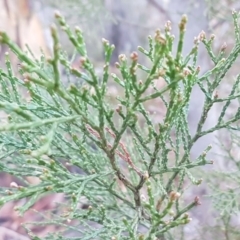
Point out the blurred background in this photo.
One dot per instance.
(126, 24)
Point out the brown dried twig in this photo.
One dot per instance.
(124, 154)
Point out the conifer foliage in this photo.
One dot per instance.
(122, 175)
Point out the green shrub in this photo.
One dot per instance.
(129, 170)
